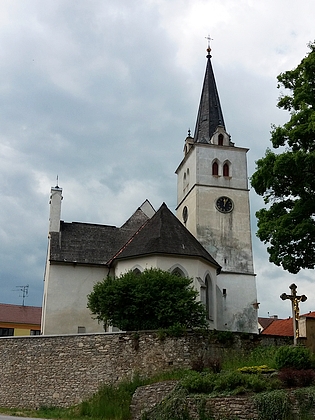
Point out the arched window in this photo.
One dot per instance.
(209, 297)
(136, 271)
(220, 140)
(226, 169)
(178, 272)
(215, 168)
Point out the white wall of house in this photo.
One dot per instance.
(65, 298)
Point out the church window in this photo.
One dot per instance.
(178, 272)
(209, 297)
(226, 169)
(220, 140)
(215, 168)
(136, 271)
(185, 214)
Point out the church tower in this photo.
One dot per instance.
(213, 203)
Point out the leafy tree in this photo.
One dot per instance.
(287, 180)
(151, 300)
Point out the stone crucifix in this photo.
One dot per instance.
(295, 300)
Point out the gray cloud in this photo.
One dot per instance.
(103, 93)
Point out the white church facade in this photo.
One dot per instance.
(209, 240)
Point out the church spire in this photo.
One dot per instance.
(210, 114)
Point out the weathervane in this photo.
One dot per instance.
(295, 300)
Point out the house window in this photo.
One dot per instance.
(215, 168)
(81, 330)
(220, 140)
(226, 170)
(6, 332)
(35, 332)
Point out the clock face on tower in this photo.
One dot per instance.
(224, 204)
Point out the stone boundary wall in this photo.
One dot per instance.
(62, 370)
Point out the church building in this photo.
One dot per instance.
(209, 241)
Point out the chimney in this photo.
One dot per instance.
(55, 209)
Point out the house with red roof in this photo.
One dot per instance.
(279, 327)
(284, 328)
(16, 320)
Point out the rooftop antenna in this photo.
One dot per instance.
(24, 290)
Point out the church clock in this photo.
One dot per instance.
(224, 204)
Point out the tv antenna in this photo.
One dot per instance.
(24, 291)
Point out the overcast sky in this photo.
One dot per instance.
(102, 93)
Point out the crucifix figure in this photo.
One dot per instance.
(295, 300)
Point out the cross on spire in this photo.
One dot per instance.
(295, 300)
(209, 39)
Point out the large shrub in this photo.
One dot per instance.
(297, 357)
(150, 300)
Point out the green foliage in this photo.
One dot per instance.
(256, 369)
(275, 405)
(148, 301)
(306, 402)
(173, 407)
(226, 383)
(287, 180)
(224, 337)
(297, 357)
(199, 382)
(235, 359)
(111, 402)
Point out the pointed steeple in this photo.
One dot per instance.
(210, 114)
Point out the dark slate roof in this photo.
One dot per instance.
(164, 234)
(20, 314)
(210, 114)
(91, 243)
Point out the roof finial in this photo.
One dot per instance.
(209, 39)
(189, 132)
(57, 185)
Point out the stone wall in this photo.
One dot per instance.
(241, 407)
(63, 370)
(146, 397)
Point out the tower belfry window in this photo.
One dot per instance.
(215, 168)
(220, 140)
(226, 170)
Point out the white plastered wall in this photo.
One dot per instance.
(65, 298)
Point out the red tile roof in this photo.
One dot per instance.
(20, 314)
(309, 315)
(264, 322)
(282, 327)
